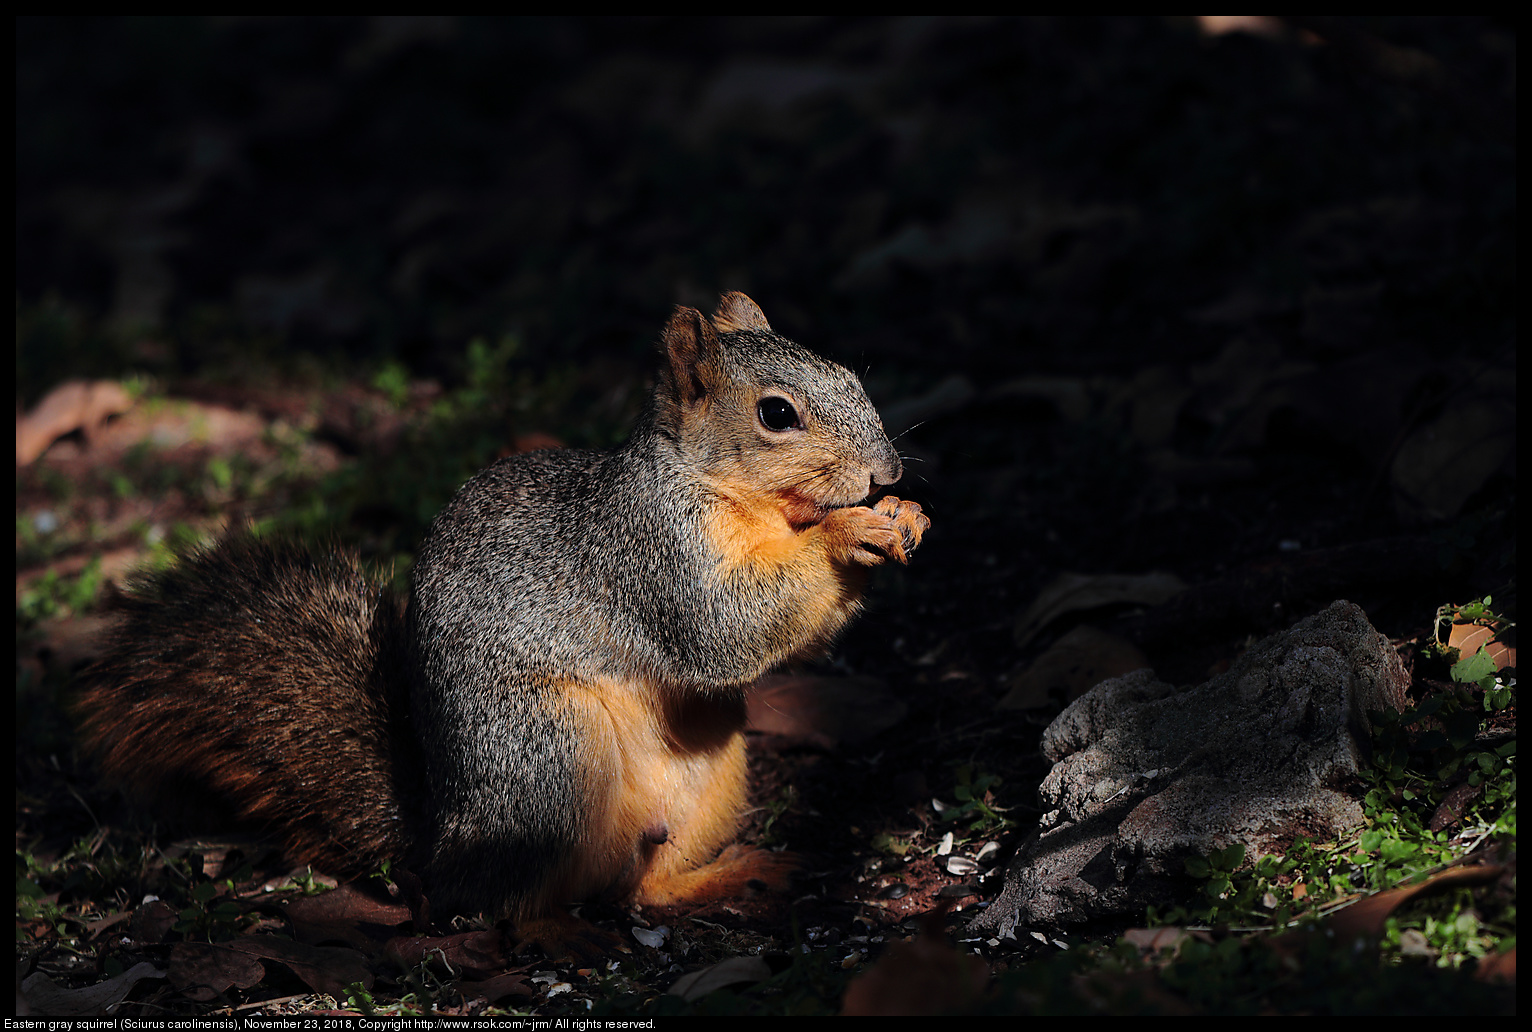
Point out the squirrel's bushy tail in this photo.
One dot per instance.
(276, 680)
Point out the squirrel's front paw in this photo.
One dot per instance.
(889, 530)
(908, 519)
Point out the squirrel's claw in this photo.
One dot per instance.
(910, 522)
(890, 529)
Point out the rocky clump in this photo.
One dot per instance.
(1146, 776)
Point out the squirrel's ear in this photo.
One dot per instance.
(690, 343)
(737, 312)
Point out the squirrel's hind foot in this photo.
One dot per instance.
(739, 872)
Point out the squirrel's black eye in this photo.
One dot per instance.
(778, 414)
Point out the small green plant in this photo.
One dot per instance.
(1419, 756)
(1447, 930)
(1270, 892)
(394, 381)
(1476, 612)
(54, 595)
(1217, 871)
(1478, 667)
(775, 808)
(307, 882)
(975, 796)
(207, 916)
(34, 906)
(358, 998)
(220, 474)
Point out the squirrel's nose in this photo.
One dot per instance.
(888, 474)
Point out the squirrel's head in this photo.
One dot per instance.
(759, 413)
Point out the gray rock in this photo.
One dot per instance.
(1146, 776)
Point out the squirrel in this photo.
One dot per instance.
(556, 713)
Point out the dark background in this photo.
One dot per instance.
(1158, 298)
(1134, 295)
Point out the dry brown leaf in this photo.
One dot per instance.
(1072, 666)
(1469, 638)
(497, 988)
(1154, 941)
(734, 971)
(325, 969)
(1364, 918)
(1440, 466)
(484, 952)
(105, 924)
(1243, 386)
(1250, 24)
(73, 405)
(1499, 968)
(1155, 398)
(922, 976)
(204, 970)
(1078, 593)
(822, 711)
(39, 994)
(338, 916)
(152, 922)
(1453, 806)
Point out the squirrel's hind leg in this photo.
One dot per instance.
(678, 871)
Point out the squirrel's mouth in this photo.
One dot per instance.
(802, 513)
